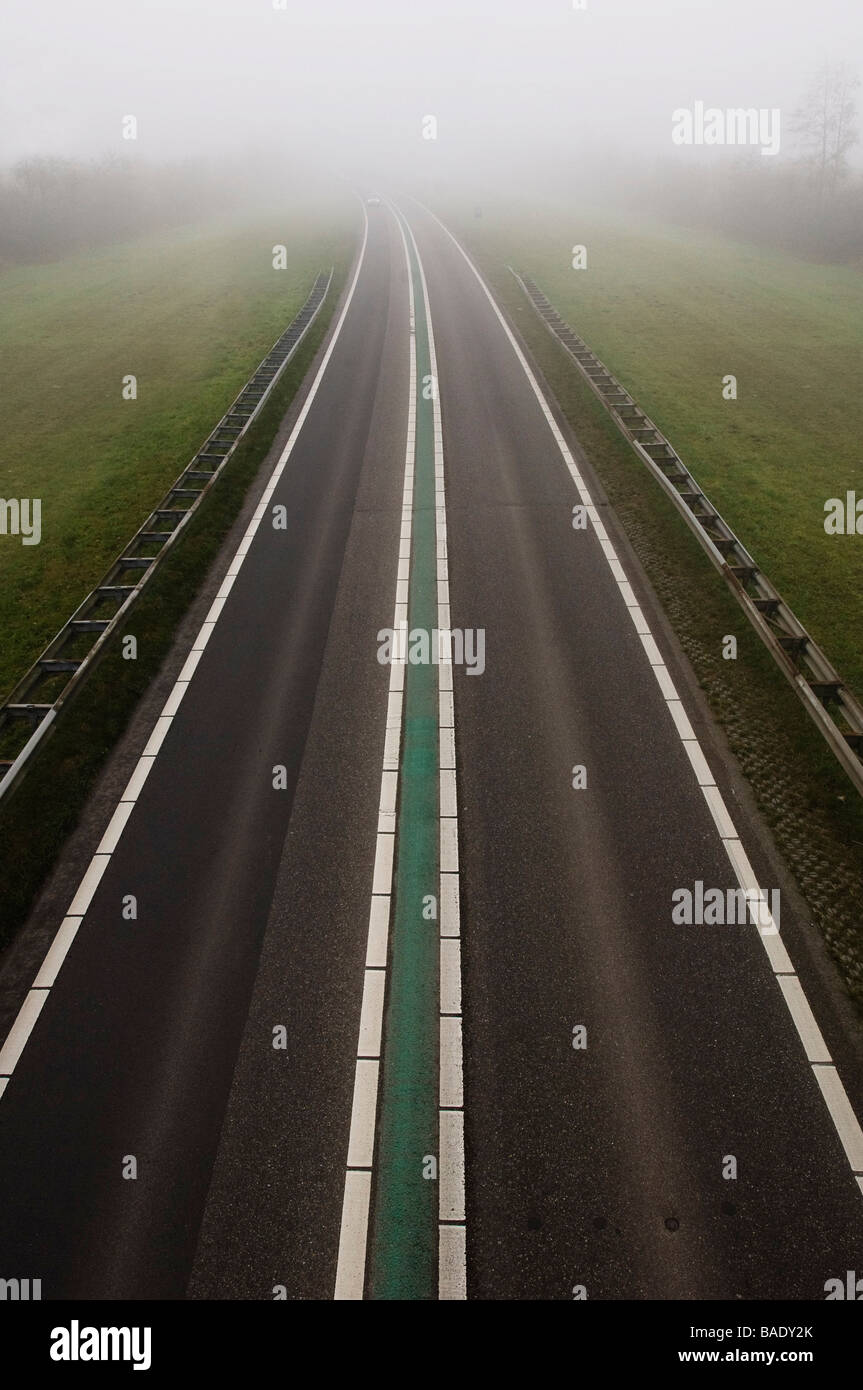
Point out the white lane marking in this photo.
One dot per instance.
(780, 961)
(158, 736)
(354, 1232)
(383, 873)
(189, 668)
(452, 1262)
(116, 825)
(56, 953)
(361, 1145)
(835, 1096)
(172, 704)
(666, 684)
(447, 789)
(351, 1272)
(379, 930)
(451, 1170)
(137, 780)
(452, 1267)
(703, 775)
(681, 719)
(449, 848)
(804, 1019)
(218, 602)
(450, 975)
(88, 885)
(205, 633)
(740, 860)
(719, 812)
(451, 1080)
(21, 1030)
(372, 1013)
(447, 738)
(450, 913)
(392, 745)
(654, 655)
(842, 1114)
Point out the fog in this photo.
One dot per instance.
(519, 92)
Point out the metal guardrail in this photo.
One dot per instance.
(59, 672)
(825, 696)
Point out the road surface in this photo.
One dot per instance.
(633, 1108)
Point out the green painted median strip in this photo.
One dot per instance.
(404, 1231)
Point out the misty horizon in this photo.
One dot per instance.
(509, 86)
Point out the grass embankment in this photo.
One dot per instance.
(672, 313)
(190, 315)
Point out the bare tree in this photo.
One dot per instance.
(826, 125)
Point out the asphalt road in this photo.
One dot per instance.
(599, 1167)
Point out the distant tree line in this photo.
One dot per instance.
(50, 207)
(808, 201)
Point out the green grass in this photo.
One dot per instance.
(671, 313)
(190, 314)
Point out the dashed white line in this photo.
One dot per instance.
(57, 952)
(353, 1235)
(361, 1145)
(21, 1029)
(88, 885)
(452, 1240)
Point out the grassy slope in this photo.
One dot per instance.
(190, 314)
(671, 313)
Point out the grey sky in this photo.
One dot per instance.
(351, 79)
